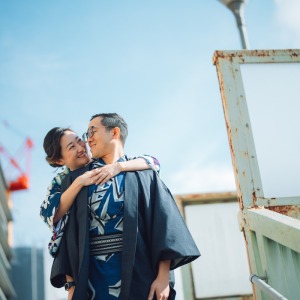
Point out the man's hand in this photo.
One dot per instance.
(71, 292)
(160, 286)
(72, 289)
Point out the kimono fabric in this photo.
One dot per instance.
(106, 210)
(153, 230)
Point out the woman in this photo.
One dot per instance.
(63, 147)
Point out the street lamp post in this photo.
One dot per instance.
(237, 7)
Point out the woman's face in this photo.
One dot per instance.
(73, 151)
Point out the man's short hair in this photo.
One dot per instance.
(112, 120)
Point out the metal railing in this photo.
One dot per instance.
(267, 289)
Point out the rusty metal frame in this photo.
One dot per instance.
(238, 124)
(269, 224)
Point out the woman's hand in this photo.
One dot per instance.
(108, 171)
(99, 175)
(89, 177)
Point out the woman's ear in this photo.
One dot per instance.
(60, 162)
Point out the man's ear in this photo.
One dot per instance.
(116, 133)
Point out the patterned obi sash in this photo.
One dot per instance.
(106, 244)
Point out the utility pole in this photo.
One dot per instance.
(237, 7)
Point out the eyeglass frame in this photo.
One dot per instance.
(90, 132)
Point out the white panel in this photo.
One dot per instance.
(222, 269)
(273, 99)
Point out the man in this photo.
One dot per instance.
(134, 234)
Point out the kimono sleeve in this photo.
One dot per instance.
(52, 200)
(169, 237)
(152, 162)
(55, 240)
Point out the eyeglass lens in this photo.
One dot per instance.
(88, 134)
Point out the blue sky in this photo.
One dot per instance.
(62, 61)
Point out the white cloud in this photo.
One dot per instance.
(288, 15)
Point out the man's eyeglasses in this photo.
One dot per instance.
(90, 132)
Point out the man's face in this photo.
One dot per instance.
(100, 141)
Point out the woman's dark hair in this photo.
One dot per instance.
(52, 145)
